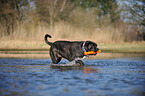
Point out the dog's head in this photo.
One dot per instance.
(90, 46)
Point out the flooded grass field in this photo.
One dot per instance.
(123, 76)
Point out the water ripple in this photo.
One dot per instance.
(35, 77)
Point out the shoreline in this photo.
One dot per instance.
(45, 55)
(38, 50)
(42, 50)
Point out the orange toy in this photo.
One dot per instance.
(91, 52)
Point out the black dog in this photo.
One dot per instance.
(70, 50)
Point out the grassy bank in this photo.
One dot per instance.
(18, 45)
(38, 49)
(134, 47)
(46, 56)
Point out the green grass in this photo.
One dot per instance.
(15, 45)
(136, 47)
(36, 50)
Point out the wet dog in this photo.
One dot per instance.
(70, 50)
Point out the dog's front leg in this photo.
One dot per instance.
(78, 60)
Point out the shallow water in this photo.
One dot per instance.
(104, 77)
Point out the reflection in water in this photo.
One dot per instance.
(84, 69)
(67, 68)
(35, 77)
(90, 70)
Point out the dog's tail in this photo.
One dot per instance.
(45, 38)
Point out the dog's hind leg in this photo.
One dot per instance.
(54, 56)
(55, 59)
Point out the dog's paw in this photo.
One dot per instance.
(80, 62)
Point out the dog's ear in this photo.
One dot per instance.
(89, 45)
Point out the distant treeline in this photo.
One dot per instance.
(99, 20)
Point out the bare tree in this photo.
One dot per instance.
(53, 10)
(11, 12)
(134, 11)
